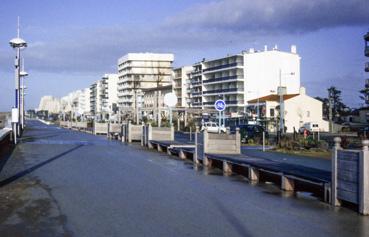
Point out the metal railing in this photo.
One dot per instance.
(223, 91)
(223, 79)
(221, 67)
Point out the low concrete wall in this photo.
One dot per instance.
(101, 128)
(161, 133)
(134, 132)
(222, 143)
(64, 124)
(82, 125)
(350, 176)
(157, 134)
(114, 129)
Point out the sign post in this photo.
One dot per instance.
(220, 105)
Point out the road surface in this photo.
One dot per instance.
(65, 183)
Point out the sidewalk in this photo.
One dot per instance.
(318, 163)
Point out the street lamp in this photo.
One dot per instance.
(282, 90)
(17, 44)
(22, 75)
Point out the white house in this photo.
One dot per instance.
(300, 109)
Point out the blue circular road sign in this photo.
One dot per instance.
(220, 105)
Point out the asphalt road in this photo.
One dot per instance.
(65, 183)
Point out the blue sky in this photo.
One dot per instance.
(73, 43)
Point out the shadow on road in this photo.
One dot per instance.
(35, 167)
(232, 219)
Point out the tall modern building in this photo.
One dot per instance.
(181, 85)
(138, 71)
(195, 86)
(242, 77)
(104, 96)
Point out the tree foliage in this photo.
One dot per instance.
(365, 94)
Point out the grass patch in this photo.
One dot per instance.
(315, 154)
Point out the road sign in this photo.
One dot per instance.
(220, 105)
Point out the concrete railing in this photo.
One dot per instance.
(100, 128)
(157, 134)
(114, 129)
(223, 143)
(81, 125)
(350, 176)
(65, 124)
(131, 132)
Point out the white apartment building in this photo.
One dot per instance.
(50, 104)
(138, 71)
(181, 85)
(104, 96)
(83, 102)
(242, 77)
(93, 98)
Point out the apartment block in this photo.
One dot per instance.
(181, 85)
(104, 96)
(138, 71)
(242, 77)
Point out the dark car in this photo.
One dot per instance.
(252, 132)
(363, 132)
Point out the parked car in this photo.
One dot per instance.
(311, 127)
(252, 132)
(213, 127)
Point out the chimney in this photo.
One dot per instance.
(252, 50)
(265, 48)
(302, 90)
(293, 49)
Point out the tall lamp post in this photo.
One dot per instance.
(23, 75)
(17, 44)
(282, 90)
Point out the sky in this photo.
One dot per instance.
(73, 43)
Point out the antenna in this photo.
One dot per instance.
(18, 28)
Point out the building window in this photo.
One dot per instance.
(308, 114)
(271, 112)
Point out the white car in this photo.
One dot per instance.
(213, 127)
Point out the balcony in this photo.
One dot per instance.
(367, 67)
(222, 79)
(224, 91)
(228, 102)
(196, 104)
(220, 67)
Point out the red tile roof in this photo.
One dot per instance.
(272, 97)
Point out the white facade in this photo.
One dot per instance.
(181, 84)
(103, 94)
(49, 103)
(83, 102)
(137, 71)
(242, 77)
(300, 109)
(111, 91)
